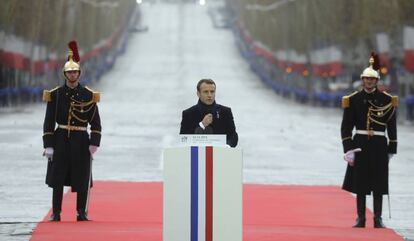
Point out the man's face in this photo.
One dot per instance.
(72, 75)
(369, 82)
(207, 93)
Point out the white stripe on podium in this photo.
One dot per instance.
(177, 190)
(227, 194)
(201, 193)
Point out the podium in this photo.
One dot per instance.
(202, 193)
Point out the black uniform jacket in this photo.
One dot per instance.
(67, 116)
(223, 122)
(375, 114)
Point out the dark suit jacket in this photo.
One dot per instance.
(223, 123)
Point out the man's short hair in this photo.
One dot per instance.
(207, 81)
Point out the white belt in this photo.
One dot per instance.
(370, 133)
(73, 128)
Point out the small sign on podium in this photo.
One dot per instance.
(202, 140)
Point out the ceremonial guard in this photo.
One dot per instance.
(373, 115)
(69, 147)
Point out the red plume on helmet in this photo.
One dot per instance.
(376, 65)
(74, 47)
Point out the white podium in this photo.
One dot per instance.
(202, 194)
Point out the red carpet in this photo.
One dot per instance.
(133, 211)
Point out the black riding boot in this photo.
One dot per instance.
(360, 200)
(57, 204)
(81, 200)
(378, 211)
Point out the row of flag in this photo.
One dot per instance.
(328, 61)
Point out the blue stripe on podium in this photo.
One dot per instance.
(194, 193)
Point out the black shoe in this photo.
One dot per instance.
(55, 217)
(82, 216)
(360, 223)
(378, 223)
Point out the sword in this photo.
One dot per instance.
(89, 187)
(389, 205)
(389, 199)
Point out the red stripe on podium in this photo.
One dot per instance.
(209, 193)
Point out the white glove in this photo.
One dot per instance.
(48, 153)
(350, 156)
(93, 149)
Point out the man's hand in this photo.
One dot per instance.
(207, 120)
(48, 153)
(390, 156)
(350, 156)
(93, 149)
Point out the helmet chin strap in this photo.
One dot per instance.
(70, 83)
(73, 81)
(369, 90)
(67, 79)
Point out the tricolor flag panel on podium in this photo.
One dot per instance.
(202, 194)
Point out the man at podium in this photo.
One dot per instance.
(208, 117)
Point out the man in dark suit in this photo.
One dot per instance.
(373, 114)
(208, 117)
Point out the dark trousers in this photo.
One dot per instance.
(361, 205)
(81, 199)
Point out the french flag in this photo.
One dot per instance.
(383, 46)
(327, 61)
(408, 41)
(202, 194)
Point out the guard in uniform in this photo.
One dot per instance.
(68, 145)
(373, 115)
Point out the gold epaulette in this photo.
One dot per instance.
(47, 94)
(96, 96)
(345, 100)
(394, 99)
